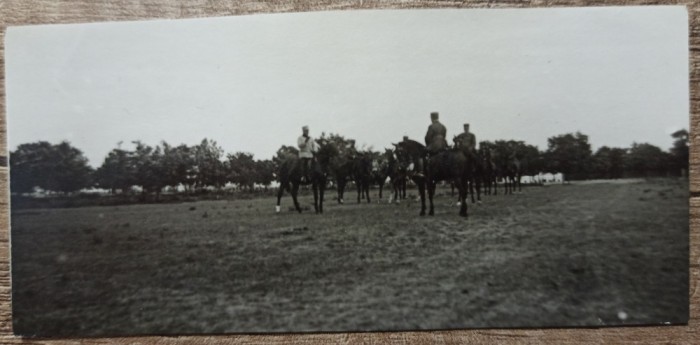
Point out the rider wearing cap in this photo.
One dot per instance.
(434, 139)
(468, 139)
(307, 148)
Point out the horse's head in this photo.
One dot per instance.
(389, 155)
(411, 148)
(402, 157)
(484, 152)
(460, 144)
(326, 150)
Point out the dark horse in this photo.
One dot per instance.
(341, 169)
(475, 169)
(448, 165)
(290, 175)
(362, 174)
(488, 171)
(513, 174)
(509, 169)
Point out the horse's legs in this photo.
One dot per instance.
(314, 186)
(431, 193)
(381, 186)
(358, 185)
(512, 185)
(279, 196)
(338, 187)
(366, 187)
(396, 186)
(478, 189)
(341, 189)
(322, 190)
(295, 190)
(421, 191)
(462, 190)
(397, 190)
(362, 189)
(511, 181)
(470, 182)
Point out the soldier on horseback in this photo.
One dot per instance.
(307, 148)
(350, 149)
(468, 141)
(434, 140)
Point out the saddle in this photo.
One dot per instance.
(429, 154)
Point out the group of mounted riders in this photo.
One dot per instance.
(461, 164)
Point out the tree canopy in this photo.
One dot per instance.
(63, 168)
(59, 168)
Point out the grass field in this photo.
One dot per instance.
(560, 255)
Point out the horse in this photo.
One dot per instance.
(291, 171)
(513, 174)
(508, 168)
(397, 175)
(488, 171)
(341, 169)
(448, 165)
(475, 169)
(380, 171)
(362, 175)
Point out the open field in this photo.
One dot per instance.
(560, 255)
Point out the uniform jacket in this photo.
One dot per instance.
(435, 138)
(469, 140)
(307, 148)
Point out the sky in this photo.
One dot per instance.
(617, 74)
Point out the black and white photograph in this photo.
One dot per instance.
(350, 171)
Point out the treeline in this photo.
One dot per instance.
(63, 169)
(571, 155)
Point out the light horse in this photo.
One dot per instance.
(291, 171)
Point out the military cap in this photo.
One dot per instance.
(434, 115)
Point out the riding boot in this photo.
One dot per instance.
(304, 171)
(419, 167)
